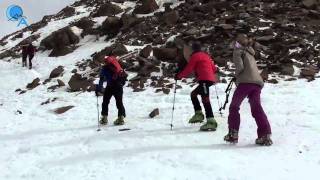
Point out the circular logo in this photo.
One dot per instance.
(14, 13)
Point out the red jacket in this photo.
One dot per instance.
(203, 66)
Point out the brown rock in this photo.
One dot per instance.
(165, 91)
(129, 21)
(111, 26)
(33, 84)
(108, 9)
(226, 26)
(154, 113)
(171, 18)
(145, 52)
(67, 12)
(310, 3)
(146, 7)
(165, 54)
(265, 38)
(22, 92)
(62, 110)
(56, 72)
(46, 81)
(291, 79)
(287, 69)
(119, 49)
(308, 72)
(273, 81)
(84, 23)
(60, 41)
(220, 61)
(60, 83)
(78, 83)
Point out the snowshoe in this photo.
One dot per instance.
(198, 117)
(119, 121)
(264, 140)
(103, 120)
(232, 136)
(211, 125)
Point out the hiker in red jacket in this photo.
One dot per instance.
(203, 66)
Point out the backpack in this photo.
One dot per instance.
(122, 77)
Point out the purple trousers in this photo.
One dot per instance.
(252, 91)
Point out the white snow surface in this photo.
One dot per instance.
(38, 144)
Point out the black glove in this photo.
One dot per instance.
(97, 90)
(176, 77)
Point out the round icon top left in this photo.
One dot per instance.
(14, 13)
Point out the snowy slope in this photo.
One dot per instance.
(41, 145)
(38, 144)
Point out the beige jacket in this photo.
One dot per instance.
(246, 66)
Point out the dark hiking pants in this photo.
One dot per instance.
(30, 60)
(24, 60)
(203, 90)
(116, 91)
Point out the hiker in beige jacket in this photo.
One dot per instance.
(249, 84)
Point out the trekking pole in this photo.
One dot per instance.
(174, 101)
(219, 103)
(98, 114)
(227, 91)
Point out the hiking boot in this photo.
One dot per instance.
(211, 125)
(119, 121)
(103, 120)
(264, 140)
(198, 117)
(232, 136)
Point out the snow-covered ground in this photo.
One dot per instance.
(38, 144)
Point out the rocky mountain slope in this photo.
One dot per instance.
(150, 36)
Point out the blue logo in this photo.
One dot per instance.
(15, 13)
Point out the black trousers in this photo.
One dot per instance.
(30, 60)
(24, 60)
(116, 91)
(203, 90)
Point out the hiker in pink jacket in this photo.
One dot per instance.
(249, 85)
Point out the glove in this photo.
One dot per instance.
(176, 77)
(97, 91)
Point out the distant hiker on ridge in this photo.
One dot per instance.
(250, 85)
(204, 68)
(115, 77)
(28, 50)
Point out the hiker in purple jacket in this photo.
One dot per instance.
(249, 84)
